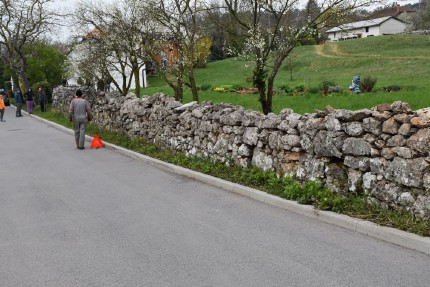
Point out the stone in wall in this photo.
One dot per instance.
(421, 206)
(408, 172)
(336, 175)
(420, 141)
(355, 180)
(329, 144)
(356, 147)
(372, 125)
(262, 160)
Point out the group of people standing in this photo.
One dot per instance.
(29, 99)
(79, 111)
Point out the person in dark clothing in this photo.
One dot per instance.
(80, 114)
(29, 95)
(42, 99)
(19, 100)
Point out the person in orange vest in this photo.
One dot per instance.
(80, 114)
(2, 108)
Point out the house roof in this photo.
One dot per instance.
(392, 11)
(362, 24)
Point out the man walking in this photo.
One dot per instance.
(80, 114)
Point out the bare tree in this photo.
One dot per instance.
(272, 31)
(22, 23)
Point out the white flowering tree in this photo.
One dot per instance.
(113, 42)
(272, 30)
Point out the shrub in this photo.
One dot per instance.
(202, 50)
(237, 87)
(325, 85)
(285, 88)
(299, 88)
(205, 87)
(218, 89)
(308, 41)
(367, 84)
(292, 91)
(224, 88)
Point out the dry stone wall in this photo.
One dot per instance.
(383, 151)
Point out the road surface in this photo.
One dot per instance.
(73, 217)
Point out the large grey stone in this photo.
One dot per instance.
(390, 126)
(420, 141)
(357, 147)
(372, 125)
(359, 163)
(408, 172)
(250, 136)
(328, 144)
(353, 129)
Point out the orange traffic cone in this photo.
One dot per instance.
(97, 142)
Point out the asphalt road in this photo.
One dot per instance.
(99, 218)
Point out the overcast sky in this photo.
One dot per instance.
(67, 6)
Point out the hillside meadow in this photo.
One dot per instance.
(402, 60)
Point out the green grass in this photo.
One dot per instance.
(402, 60)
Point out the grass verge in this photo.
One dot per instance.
(312, 193)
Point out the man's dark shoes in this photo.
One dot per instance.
(81, 147)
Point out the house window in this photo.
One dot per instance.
(367, 29)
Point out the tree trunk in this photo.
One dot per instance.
(269, 96)
(260, 84)
(265, 105)
(137, 80)
(179, 90)
(193, 87)
(15, 82)
(23, 77)
(124, 85)
(179, 93)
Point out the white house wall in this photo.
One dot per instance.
(373, 31)
(392, 26)
(356, 33)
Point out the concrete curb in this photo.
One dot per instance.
(387, 234)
